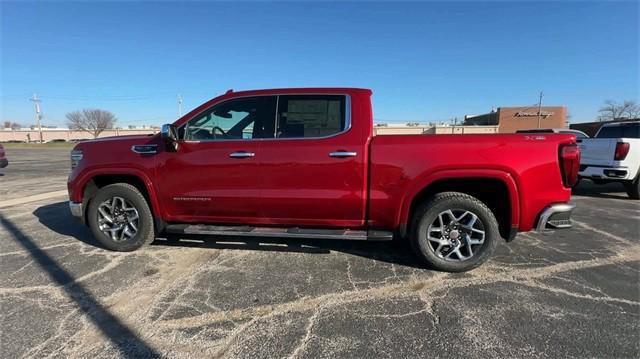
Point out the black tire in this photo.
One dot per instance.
(145, 225)
(632, 188)
(428, 212)
(576, 184)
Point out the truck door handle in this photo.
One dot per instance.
(241, 154)
(341, 154)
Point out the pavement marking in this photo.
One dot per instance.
(35, 197)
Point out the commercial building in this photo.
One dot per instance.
(511, 119)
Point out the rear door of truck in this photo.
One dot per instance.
(313, 173)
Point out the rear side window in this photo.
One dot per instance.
(302, 116)
(620, 131)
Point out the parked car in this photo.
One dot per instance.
(57, 140)
(579, 134)
(303, 163)
(613, 155)
(3, 158)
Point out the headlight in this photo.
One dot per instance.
(76, 157)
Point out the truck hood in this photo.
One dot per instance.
(120, 138)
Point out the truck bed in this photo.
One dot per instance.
(528, 165)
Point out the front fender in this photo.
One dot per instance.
(78, 184)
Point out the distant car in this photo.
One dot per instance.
(613, 155)
(14, 141)
(57, 140)
(3, 159)
(76, 140)
(579, 134)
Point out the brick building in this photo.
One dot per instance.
(511, 119)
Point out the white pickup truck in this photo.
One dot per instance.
(613, 155)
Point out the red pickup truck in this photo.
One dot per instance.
(304, 163)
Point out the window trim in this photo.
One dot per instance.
(347, 118)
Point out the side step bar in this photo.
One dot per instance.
(303, 233)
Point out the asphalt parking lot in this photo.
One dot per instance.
(572, 294)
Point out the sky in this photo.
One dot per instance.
(424, 61)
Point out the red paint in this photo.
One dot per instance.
(295, 182)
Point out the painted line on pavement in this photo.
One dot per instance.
(35, 197)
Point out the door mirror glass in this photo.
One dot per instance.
(169, 136)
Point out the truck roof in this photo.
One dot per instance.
(297, 90)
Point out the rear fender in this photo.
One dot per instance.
(423, 182)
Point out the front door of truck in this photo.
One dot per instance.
(314, 171)
(213, 175)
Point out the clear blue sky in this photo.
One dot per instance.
(426, 61)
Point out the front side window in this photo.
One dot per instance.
(242, 118)
(301, 116)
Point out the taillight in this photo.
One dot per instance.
(569, 164)
(622, 149)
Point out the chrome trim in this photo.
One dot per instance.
(347, 119)
(133, 148)
(551, 210)
(341, 154)
(76, 209)
(76, 155)
(241, 154)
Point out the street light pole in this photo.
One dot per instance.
(36, 104)
(539, 109)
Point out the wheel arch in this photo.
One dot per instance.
(482, 184)
(97, 179)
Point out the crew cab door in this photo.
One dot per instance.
(314, 171)
(213, 175)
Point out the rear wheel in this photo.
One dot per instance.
(632, 188)
(120, 218)
(454, 232)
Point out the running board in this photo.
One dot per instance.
(303, 233)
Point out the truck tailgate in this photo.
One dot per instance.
(597, 151)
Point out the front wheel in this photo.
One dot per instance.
(454, 232)
(120, 218)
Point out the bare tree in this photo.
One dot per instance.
(614, 111)
(90, 120)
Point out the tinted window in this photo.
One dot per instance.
(310, 116)
(243, 118)
(620, 131)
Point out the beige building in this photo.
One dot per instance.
(432, 130)
(49, 134)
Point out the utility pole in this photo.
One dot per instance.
(36, 105)
(179, 105)
(539, 109)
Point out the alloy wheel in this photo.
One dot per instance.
(456, 235)
(118, 219)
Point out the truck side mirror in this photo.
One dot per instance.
(169, 136)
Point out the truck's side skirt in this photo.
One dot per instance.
(277, 232)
